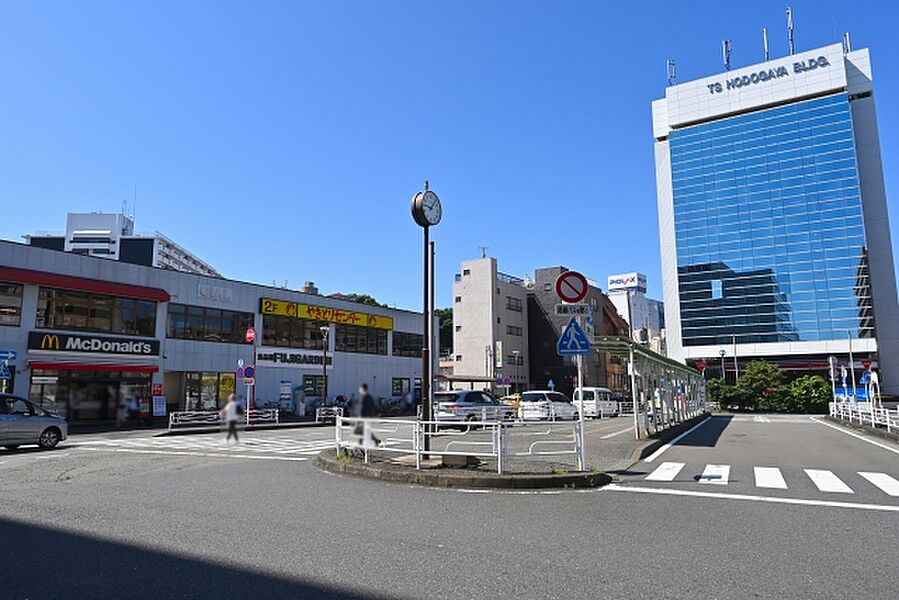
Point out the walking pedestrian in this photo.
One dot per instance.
(364, 407)
(230, 413)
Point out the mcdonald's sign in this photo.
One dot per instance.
(67, 342)
(50, 341)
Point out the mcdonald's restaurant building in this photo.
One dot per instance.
(82, 335)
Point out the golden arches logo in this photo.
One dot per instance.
(50, 342)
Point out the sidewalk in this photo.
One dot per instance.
(160, 428)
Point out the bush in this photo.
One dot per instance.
(810, 394)
(761, 387)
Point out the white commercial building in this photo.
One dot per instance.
(775, 238)
(646, 316)
(490, 321)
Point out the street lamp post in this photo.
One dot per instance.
(721, 353)
(517, 355)
(325, 329)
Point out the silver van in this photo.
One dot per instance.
(23, 422)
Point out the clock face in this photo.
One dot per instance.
(430, 208)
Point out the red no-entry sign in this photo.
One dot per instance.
(866, 364)
(251, 335)
(571, 286)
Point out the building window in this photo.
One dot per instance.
(466, 271)
(514, 330)
(515, 360)
(458, 357)
(547, 287)
(289, 332)
(458, 328)
(458, 299)
(407, 344)
(208, 390)
(362, 340)
(513, 304)
(86, 311)
(716, 289)
(208, 324)
(10, 304)
(400, 386)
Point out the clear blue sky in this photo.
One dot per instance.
(283, 140)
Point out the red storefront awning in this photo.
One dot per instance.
(78, 366)
(83, 284)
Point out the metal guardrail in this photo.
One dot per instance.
(199, 418)
(865, 413)
(480, 439)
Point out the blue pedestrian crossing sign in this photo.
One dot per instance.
(573, 341)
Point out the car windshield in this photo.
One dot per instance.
(532, 397)
(587, 394)
(557, 397)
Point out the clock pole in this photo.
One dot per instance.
(426, 336)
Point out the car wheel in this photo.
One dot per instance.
(11, 446)
(49, 438)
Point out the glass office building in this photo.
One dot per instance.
(775, 238)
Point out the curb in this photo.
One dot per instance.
(881, 433)
(452, 478)
(666, 436)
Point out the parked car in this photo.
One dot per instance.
(23, 422)
(543, 405)
(597, 402)
(470, 405)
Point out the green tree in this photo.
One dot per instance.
(445, 315)
(810, 394)
(366, 299)
(727, 396)
(762, 384)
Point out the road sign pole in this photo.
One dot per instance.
(582, 454)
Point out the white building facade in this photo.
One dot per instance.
(646, 317)
(775, 239)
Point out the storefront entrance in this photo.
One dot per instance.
(87, 395)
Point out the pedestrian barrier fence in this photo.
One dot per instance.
(199, 418)
(497, 440)
(327, 413)
(865, 413)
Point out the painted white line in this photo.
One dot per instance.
(769, 477)
(855, 435)
(53, 455)
(206, 454)
(614, 487)
(3, 462)
(611, 435)
(761, 419)
(886, 483)
(666, 471)
(659, 452)
(826, 481)
(716, 474)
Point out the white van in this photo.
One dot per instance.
(597, 402)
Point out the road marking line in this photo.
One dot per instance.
(761, 419)
(826, 481)
(611, 435)
(855, 435)
(769, 477)
(666, 471)
(886, 483)
(716, 474)
(614, 487)
(659, 452)
(206, 454)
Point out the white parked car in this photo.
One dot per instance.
(597, 402)
(470, 405)
(546, 405)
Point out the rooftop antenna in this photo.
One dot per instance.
(847, 43)
(790, 30)
(672, 71)
(484, 250)
(725, 51)
(765, 41)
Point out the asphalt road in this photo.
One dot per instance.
(128, 516)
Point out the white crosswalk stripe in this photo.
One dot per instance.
(217, 445)
(716, 474)
(666, 471)
(826, 481)
(883, 481)
(769, 477)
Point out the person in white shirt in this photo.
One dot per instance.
(229, 411)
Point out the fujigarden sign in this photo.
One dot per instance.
(65, 342)
(283, 358)
(769, 74)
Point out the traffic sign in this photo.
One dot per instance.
(249, 381)
(700, 364)
(571, 286)
(157, 389)
(572, 310)
(865, 379)
(250, 335)
(573, 341)
(249, 372)
(551, 385)
(7, 355)
(866, 364)
(507, 380)
(240, 372)
(4, 373)
(239, 362)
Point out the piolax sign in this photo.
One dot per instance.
(762, 76)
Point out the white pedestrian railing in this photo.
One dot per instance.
(479, 439)
(208, 418)
(864, 413)
(327, 413)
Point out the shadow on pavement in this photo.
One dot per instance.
(707, 435)
(57, 564)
